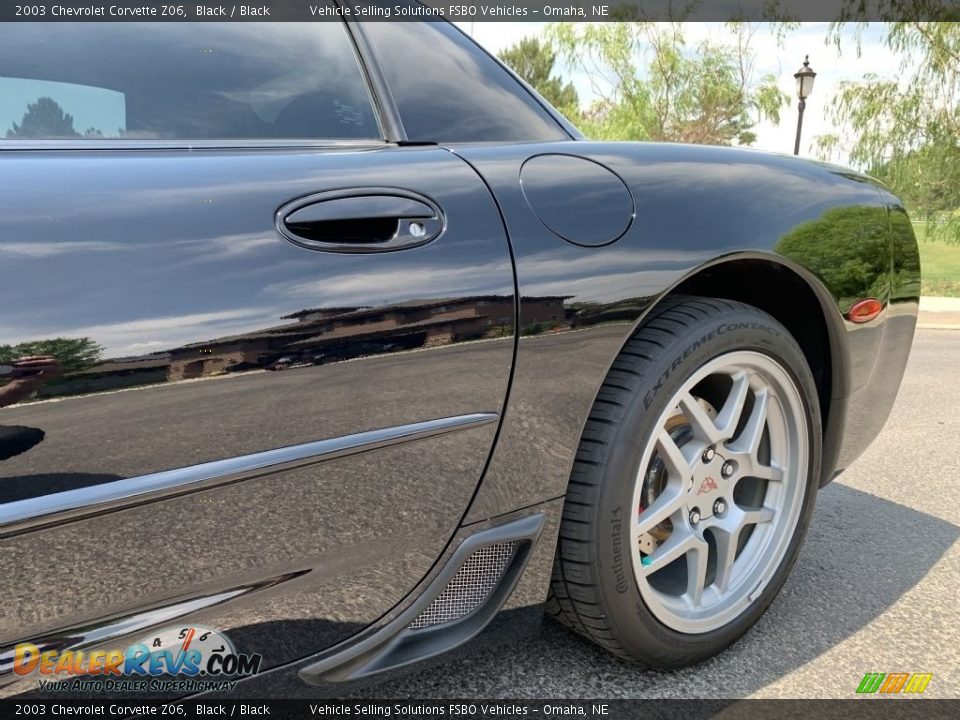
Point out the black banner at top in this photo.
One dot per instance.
(465, 10)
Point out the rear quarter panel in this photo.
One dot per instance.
(695, 207)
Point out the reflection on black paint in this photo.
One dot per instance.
(25, 374)
(305, 338)
(316, 336)
(848, 248)
(324, 335)
(17, 439)
(906, 259)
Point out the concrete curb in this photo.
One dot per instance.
(939, 313)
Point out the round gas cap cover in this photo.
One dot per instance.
(580, 200)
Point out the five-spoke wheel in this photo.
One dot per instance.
(693, 485)
(717, 498)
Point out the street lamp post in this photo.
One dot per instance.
(804, 76)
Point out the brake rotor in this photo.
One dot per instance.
(678, 427)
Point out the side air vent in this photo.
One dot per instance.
(461, 599)
(469, 588)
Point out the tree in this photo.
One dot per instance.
(44, 119)
(927, 179)
(74, 354)
(906, 130)
(534, 62)
(652, 85)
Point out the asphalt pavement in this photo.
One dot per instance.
(875, 588)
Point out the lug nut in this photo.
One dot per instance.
(727, 469)
(695, 516)
(708, 454)
(719, 507)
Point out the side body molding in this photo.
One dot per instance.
(17, 517)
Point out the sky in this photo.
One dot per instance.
(831, 67)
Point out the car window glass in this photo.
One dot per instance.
(173, 81)
(449, 90)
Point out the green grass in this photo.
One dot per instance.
(939, 264)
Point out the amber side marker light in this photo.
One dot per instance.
(864, 310)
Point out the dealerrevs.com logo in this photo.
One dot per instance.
(192, 658)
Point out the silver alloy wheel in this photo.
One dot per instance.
(731, 488)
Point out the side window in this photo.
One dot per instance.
(449, 90)
(182, 81)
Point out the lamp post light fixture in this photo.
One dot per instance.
(805, 77)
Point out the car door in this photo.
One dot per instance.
(255, 405)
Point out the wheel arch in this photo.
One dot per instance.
(799, 301)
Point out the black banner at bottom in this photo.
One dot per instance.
(872, 708)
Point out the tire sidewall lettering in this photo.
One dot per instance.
(723, 328)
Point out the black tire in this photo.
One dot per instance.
(591, 593)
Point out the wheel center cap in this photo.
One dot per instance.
(708, 484)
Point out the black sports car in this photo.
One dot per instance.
(604, 379)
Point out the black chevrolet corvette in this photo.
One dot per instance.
(523, 372)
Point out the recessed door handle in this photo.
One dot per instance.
(361, 220)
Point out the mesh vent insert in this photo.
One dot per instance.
(467, 590)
